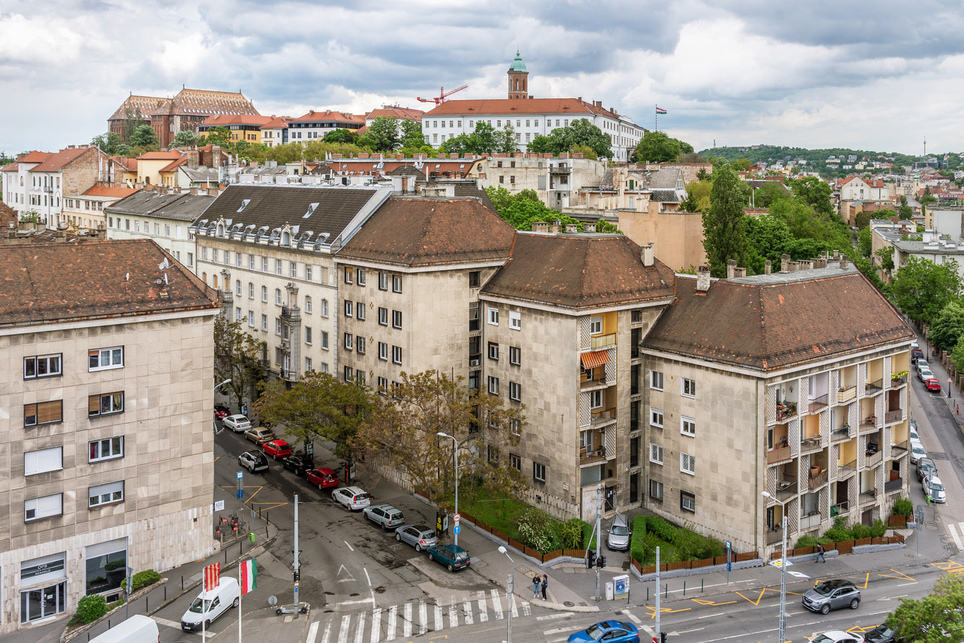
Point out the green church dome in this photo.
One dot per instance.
(517, 64)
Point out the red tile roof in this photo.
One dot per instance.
(58, 161)
(276, 122)
(396, 112)
(170, 167)
(510, 106)
(160, 156)
(127, 163)
(7, 216)
(328, 115)
(119, 193)
(580, 271)
(224, 120)
(10, 168)
(34, 157)
(52, 282)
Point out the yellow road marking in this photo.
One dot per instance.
(665, 610)
(703, 601)
(949, 566)
(765, 589)
(900, 575)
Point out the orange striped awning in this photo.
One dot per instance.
(592, 360)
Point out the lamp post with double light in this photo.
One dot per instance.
(783, 569)
(508, 595)
(455, 449)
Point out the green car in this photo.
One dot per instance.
(451, 556)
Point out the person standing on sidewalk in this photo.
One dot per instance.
(535, 586)
(820, 552)
(545, 585)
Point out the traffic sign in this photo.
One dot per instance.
(455, 518)
(240, 474)
(728, 545)
(456, 529)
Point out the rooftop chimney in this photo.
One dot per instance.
(572, 228)
(702, 279)
(739, 272)
(836, 254)
(785, 263)
(648, 255)
(556, 226)
(589, 227)
(540, 226)
(766, 267)
(730, 268)
(844, 264)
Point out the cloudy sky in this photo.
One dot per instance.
(881, 76)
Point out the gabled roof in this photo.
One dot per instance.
(34, 157)
(171, 155)
(119, 193)
(201, 174)
(329, 116)
(770, 322)
(12, 167)
(146, 105)
(59, 160)
(53, 282)
(201, 102)
(277, 122)
(7, 216)
(173, 165)
(148, 203)
(580, 271)
(224, 120)
(128, 164)
(395, 111)
(511, 106)
(424, 231)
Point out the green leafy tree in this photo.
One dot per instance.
(697, 196)
(905, 211)
(412, 137)
(341, 135)
(382, 135)
(586, 151)
(287, 153)
(521, 209)
(922, 288)
(107, 143)
(865, 242)
(237, 356)
(541, 145)
(946, 330)
(402, 435)
(505, 140)
(144, 136)
(724, 232)
(563, 139)
(317, 407)
(185, 138)
(927, 198)
(815, 193)
(741, 165)
(768, 237)
(656, 147)
(483, 140)
(461, 144)
(936, 618)
(769, 193)
(132, 120)
(886, 258)
(220, 136)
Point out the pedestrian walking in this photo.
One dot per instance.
(536, 582)
(545, 585)
(820, 552)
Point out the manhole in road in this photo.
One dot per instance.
(568, 603)
(380, 589)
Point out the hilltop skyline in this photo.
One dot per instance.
(729, 74)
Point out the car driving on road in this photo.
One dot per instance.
(830, 595)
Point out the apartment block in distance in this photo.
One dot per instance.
(108, 459)
(794, 384)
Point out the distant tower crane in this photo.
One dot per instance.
(442, 95)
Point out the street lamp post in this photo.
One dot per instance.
(783, 570)
(455, 448)
(508, 596)
(637, 539)
(227, 381)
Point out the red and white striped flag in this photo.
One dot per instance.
(249, 576)
(212, 575)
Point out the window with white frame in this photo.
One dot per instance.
(43, 461)
(277, 296)
(595, 324)
(688, 387)
(251, 318)
(349, 307)
(349, 341)
(396, 319)
(538, 472)
(250, 290)
(515, 320)
(494, 351)
(308, 334)
(687, 463)
(493, 385)
(687, 426)
(360, 276)
(237, 287)
(515, 391)
(349, 275)
(250, 261)
(237, 314)
(105, 449)
(264, 264)
(655, 453)
(383, 351)
(382, 384)
(264, 323)
(293, 267)
(687, 501)
(324, 308)
(101, 359)
(396, 283)
(45, 507)
(324, 341)
(595, 399)
(655, 489)
(106, 404)
(42, 366)
(308, 272)
(656, 418)
(515, 355)
(656, 380)
(264, 294)
(493, 315)
(105, 494)
(515, 426)
(359, 344)
(383, 316)
(307, 305)
(277, 266)
(396, 354)
(515, 461)
(383, 281)
(227, 257)
(277, 325)
(360, 311)
(308, 368)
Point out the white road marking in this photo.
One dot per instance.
(467, 612)
(376, 624)
(169, 623)
(349, 546)
(712, 615)
(439, 618)
(635, 619)
(647, 629)
(347, 573)
(360, 628)
(392, 622)
(324, 637)
(358, 602)
(952, 530)
(367, 577)
(496, 604)
(483, 613)
(549, 617)
(343, 632)
(453, 615)
(699, 629)
(422, 618)
(526, 608)
(407, 620)
(556, 631)
(906, 584)
(312, 632)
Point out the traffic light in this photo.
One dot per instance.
(590, 559)
(297, 575)
(662, 637)
(601, 562)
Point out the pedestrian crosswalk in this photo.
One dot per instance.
(414, 618)
(956, 531)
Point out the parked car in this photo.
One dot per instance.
(934, 489)
(259, 436)
(933, 384)
(924, 374)
(323, 478)
(253, 461)
(830, 595)
(237, 423)
(385, 516)
(917, 452)
(210, 605)
(619, 534)
(276, 448)
(136, 629)
(914, 435)
(300, 464)
(916, 355)
(418, 536)
(609, 631)
(453, 557)
(922, 364)
(925, 467)
(880, 634)
(838, 636)
(354, 498)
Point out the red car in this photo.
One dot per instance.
(933, 384)
(276, 449)
(323, 478)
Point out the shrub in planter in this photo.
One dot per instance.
(903, 507)
(142, 579)
(839, 532)
(859, 531)
(90, 608)
(878, 529)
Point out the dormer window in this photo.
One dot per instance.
(220, 230)
(311, 210)
(286, 238)
(244, 204)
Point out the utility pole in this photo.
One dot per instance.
(297, 574)
(657, 591)
(598, 534)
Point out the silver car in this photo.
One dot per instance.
(418, 536)
(916, 453)
(237, 423)
(354, 498)
(934, 489)
(619, 534)
(830, 595)
(385, 516)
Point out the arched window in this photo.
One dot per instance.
(277, 296)
(308, 305)
(220, 230)
(237, 287)
(264, 293)
(250, 290)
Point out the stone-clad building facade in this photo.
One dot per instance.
(108, 456)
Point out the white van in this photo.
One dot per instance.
(136, 629)
(216, 602)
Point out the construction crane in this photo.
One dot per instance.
(442, 95)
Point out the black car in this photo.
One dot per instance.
(300, 464)
(880, 634)
(925, 467)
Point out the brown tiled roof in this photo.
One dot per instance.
(580, 271)
(201, 102)
(171, 155)
(773, 323)
(328, 115)
(7, 216)
(276, 121)
(173, 165)
(10, 168)
(128, 164)
(224, 120)
(396, 112)
(34, 157)
(147, 105)
(120, 193)
(51, 282)
(58, 161)
(417, 231)
(510, 106)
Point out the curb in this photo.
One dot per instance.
(70, 634)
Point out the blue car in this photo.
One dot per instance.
(609, 631)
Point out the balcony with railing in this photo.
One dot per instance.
(810, 444)
(874, 459)
(601, 417)
(786, 488)
(844, 469)
(872, 388)
(817, 403)
(868, 497)
(810, 522)
(593, 447)
(842, 508)
(816, 479)
(592, 378)
(868, 424)
(785, 410)
(602, 341)
(899, 449)
(846, 393)
(775, 536)
(893, 485)
(893, 416)
(840, 434)
(775, 456)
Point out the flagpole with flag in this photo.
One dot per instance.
(212, 577)
(247, 580)
(659, 110)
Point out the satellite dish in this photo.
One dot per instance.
(272, 600)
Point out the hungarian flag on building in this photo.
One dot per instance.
(212, 575)
(660, 110)
(249, 576)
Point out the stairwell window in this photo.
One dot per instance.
(655, 453)
(687, 463)
(689, 387)
(687, 501)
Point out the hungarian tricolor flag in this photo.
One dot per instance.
(660, 110)
(212, 575)
(249, 576)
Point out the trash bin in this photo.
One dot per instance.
(609, 591)
(251, 537)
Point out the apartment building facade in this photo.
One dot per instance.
(793, 383)
(109, 353)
